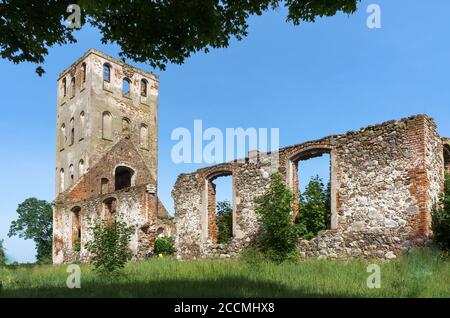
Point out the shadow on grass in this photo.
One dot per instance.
(230, 287)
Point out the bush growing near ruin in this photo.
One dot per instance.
(441, 218)
(164, 245)
(278, 239)
(109, 247)
(314, 208)
(224, 221)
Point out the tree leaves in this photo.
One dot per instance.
(154, 32)
(35, 222)
(278, 239)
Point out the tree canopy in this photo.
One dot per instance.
(315, 208)
(35, 222)
(155, 32)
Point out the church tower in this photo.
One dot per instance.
(100, 101)
(106, 155)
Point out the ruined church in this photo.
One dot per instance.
(384, 179)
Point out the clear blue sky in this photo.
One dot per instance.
(310, 81)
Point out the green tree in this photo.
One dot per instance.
(441, 218)
(314, 207)
(278, 239)
(35, 222)
(164, 245)
(110, 246)
(224, 221)
(156, 32)
(2, 254)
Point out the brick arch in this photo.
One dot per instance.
(209, 220)
(447, 158)
(76, 212)
(127, 166)
(306, 152)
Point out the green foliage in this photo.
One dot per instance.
(278, 239)
(35, 222)
(164, 245)
(2, 254)
(224, 221)
(77, 246)
(162, 32)
(314, 206)
(441, 218)
(418, 274)
(109, 247)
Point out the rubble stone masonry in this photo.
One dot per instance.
(384, 182)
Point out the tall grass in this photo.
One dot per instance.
(422, 273)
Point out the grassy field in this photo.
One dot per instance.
(419, 274)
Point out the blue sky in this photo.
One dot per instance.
(309, 81)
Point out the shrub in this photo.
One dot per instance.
(109, 247)
(164, 245)
(441, 218)
(314, 207)
(224, 221)
(278, 239)
(77, 246)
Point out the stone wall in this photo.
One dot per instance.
(384, 180)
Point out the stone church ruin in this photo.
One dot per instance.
(384, 182)
(384, 179)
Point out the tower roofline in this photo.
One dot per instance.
(111, 59)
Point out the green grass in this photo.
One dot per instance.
(422, 273)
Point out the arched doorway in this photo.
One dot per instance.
(219, 215)
(314, 165)
(123, 177)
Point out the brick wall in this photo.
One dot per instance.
(384, 181)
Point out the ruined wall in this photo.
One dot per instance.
(133, 206)
(384, 181)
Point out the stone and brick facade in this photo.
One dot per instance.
(384, 182)
(107, 155)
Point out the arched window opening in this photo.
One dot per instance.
(64, 87)
(72, 87)
(72, 177)
(311, 182)
(61, 180)
(104, 186)
(107, 126)
(81, 167)
(83, 73)
(143, 136)
(62, 136)
(220, 216)
(143, 88)
(126, 129)
(126, 87)
(106, 72)
(109, 209)
(123, 177)
(76, 229)
(447, 158)
(82, 125)
(72, 131)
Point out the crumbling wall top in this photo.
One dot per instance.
(111, 59)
